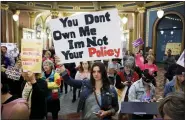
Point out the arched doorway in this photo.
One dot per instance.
(169, 29)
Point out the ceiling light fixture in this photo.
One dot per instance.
(160, 13)
(162, 32)
(124, 20)
(16, 15)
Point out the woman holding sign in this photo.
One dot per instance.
(34, 91)
(97, 99)
(15, 78)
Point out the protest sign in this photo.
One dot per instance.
(138, 42)
(181, 60)
(174, 47)
(31, 55)
(12, 49)
(87, 36)
(13, 73)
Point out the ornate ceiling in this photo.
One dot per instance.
(78, 6)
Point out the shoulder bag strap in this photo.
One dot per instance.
(96, 99)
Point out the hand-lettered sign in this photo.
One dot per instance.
(138, 42)
(88, 36)
(13, 73)
(31, 55)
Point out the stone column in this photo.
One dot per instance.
(32, 18)
(141, 11)
(16, 31)
(135, 27)
(141, 23)
(4, 8)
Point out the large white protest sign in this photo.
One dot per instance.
(181, 60)
(88, 36)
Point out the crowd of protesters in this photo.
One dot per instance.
(33, 96)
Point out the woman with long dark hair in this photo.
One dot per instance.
(98, 100)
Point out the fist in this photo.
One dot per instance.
(61, 67)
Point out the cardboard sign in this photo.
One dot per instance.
(13, 73)
(31, 55)
(175, 48)
(87, 36)
(181, 60)
(138, 42)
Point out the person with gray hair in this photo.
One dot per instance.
(128, 75)
(172, 107)
(53, 80)
(132, 59)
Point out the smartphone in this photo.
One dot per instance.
(96, 113)
(129, 81)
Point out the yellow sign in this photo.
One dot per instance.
(175, 48)
(31, 55)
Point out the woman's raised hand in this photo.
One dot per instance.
(59, 63)
(57, 60)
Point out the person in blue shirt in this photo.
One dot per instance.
(5, 61)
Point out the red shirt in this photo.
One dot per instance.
(134, 76)
(152, 68)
